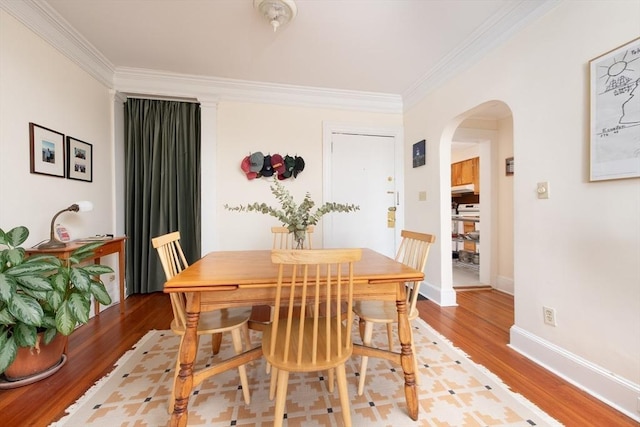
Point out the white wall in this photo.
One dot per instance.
(578, 251)
(244, 128)
(40, 85)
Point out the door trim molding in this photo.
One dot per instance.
(396, 132)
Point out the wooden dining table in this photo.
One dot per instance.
(247, 278)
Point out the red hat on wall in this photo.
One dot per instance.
(246, 168)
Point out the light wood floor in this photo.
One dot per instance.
(479, 326)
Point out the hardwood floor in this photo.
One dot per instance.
(479, 326)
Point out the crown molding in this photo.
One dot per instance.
(44, 21)
(513, 17)
(163, 84)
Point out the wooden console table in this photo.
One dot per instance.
(110, 246)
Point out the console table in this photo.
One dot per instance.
(110, 246)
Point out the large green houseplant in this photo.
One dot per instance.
(43, 294)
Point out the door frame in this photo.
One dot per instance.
(396, 132)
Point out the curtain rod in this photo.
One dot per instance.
(161, 98)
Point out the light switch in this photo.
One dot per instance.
(422, 196)
(543, 190)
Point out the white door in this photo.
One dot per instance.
(362, 171)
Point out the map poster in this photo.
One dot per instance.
(615, 113)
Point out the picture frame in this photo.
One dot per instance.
(419, 153)
(46, 147)
(615, 113)
(79, 160)
(508, 166)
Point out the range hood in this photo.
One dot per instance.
(462, 189)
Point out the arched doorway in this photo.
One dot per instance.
(482, 245)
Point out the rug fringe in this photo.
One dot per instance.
(96, 386)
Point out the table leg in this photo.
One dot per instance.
(121, 273)
(406, 354)
(188, 350)
(96, 304)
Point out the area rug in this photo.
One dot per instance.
(453, 391)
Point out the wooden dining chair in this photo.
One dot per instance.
(284, 239)
(413, 252)
(212, 323)
(299, 341)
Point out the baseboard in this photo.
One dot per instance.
(504, 284)
(445, 298)
(619, 393)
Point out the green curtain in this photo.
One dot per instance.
(162, 185)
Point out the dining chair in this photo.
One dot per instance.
(299, 341)
(284, 239)
(214, 323)
(413, 252)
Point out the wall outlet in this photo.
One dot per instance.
(549, 315)
(422, 196)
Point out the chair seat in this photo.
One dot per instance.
(305, 365)
(380, 311)
(218, 321)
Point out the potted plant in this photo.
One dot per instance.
(43, 297)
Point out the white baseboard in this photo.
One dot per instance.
(619, 393)
(504, 284)
(445, 298)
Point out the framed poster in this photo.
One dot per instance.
(419, 153)
(80, 160)
(615, 113)
(47, 151)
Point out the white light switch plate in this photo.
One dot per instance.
(543, 190)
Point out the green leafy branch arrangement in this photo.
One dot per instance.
(293, 216)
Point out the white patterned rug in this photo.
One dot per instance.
(453, 391)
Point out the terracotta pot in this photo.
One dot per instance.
(33, 361)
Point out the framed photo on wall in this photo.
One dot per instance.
(47, 151)
(615, 113)
(80, 160)
(419, 153)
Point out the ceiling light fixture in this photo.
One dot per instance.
(278, 12)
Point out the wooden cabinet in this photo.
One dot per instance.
(466, 172)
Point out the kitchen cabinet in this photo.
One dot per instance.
(466, 172)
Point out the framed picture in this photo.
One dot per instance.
(419, 153)
(615, 113)
(79, 160)
(508, 166)
(47, 151)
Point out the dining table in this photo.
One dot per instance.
(223, 279)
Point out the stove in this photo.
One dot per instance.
(468, 209)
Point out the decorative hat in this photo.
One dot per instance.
(289, 165)
(246, 168)
(257, 161)
(267, 169)
(277, 162)
(299, 167)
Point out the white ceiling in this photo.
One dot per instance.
(381, 46)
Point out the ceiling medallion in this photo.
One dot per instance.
(277, 12)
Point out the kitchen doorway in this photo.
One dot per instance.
(485, 134)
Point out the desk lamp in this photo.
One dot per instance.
(53, 242)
